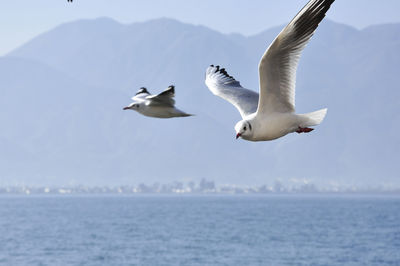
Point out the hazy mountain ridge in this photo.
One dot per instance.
(62, 95)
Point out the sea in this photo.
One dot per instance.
(200, 230)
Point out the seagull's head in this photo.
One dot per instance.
(243, 129)
(132, 106)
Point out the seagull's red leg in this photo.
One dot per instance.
(304, 130)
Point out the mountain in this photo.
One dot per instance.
(62, 95)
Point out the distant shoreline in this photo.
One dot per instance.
(288, 194)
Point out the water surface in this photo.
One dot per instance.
(199, 230)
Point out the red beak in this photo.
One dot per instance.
(126, 108)
(238, 135)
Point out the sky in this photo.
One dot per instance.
(24, 19)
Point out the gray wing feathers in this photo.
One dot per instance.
(165, 98)
(225, 86)
(277, 68)
(169, 92)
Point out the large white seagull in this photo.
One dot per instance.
(271, 114)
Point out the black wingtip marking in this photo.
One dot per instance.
(310, 19)
(223, 71)
(218, 69)
(142, 90)
(171, 88)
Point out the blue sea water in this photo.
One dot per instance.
(199, 230)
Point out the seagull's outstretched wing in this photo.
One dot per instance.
(221, 84)
(169, 92)
(141, 95)
(165, 98)
(277, 68)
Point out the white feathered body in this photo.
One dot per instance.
(160, 111)
(277, 125)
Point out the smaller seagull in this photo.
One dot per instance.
(161, 105)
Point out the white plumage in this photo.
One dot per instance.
(161, 105)
(271, 114)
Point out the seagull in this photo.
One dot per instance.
(271, 114)
(160, 105)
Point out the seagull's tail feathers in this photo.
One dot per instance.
(313, 118)
(178, 113)
(184, 115)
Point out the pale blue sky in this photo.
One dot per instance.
(21, 20)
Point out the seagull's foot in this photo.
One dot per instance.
(304, 130)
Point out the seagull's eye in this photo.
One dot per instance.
(244, 128)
